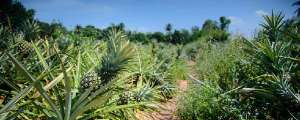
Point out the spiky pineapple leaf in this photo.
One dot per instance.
(15, 99)
(36, 84)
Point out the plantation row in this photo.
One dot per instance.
(49, 72)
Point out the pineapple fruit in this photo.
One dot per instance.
(124, 98)
(24, 48)
(90, 80)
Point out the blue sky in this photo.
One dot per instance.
(153, 15)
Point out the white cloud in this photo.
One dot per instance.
(139, 28)
(240, 26)
(236, 20)
(261, 12)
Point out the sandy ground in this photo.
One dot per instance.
(167, 110)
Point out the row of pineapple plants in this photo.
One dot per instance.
(60, 78)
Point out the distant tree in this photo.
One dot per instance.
(121, 26)
(169, 27)
(195, 29)
(44, 28)
(185, 35)
(90, 31)
(218, 36)
(224, 23)
(196, 33)
(177, 37)
(210, 25)
(180, 37)
(13, 13)
(297, 4)
(138, 37)
(57, 29)
(216, 33)
(160, 37)
(78, 29)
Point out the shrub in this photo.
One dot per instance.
(178, 70)
(206, 101)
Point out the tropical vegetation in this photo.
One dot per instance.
(50, 72)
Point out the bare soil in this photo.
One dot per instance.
(167, 110)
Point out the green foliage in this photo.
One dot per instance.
(180, 37)
(260, 77)
(218, 36)
(88, 31)
(209, 25)
(31, 30)
(297, 3)
(169, 27)
(5, 35)
(49, 72)
(13, 14)
(118, 56)
(153, 67)
(273, 26)
(279, 71)
(224, 23)
(217, 62)
(62, 98)
(179, 70)
(140, 37)
(206, 101)
(214, 32)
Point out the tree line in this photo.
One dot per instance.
(16, 18)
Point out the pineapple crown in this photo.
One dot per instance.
(119, 53)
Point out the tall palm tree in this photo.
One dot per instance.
(224, 23)
(169, 28)
(78, 29)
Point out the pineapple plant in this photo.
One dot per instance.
(30, 30)
(5, 38)
(121, 52)
(99, 85)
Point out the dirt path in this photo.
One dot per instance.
(167, 110)
(192, 70)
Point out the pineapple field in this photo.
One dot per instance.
(51, 72)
